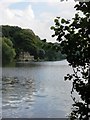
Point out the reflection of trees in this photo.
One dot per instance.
(17, 89)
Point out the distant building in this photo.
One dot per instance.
(25, 56)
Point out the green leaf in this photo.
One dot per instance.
(63, 21)
(52, 28)
(53, 35)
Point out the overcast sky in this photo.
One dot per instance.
(37, 15)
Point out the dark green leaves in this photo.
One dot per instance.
(8, 52)
(74, 38)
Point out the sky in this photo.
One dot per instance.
(37, 15)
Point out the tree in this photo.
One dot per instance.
(41, 54)
(44, 40)
(8, 52)
(25, 40)
(74, 37)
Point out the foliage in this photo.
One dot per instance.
(41, 54)
(8, 52)
(74, 38)
(24, 40)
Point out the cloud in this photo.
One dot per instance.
(17, 17)
(5, 3)
(27, 18)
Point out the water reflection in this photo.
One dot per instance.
(16, 91)
(36, 90)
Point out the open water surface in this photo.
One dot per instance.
(36, 90)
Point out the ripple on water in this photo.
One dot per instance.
(40, 94)
(4, 107)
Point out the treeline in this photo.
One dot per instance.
(16, 40)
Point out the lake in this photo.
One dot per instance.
(36, 90)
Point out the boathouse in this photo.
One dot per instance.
(25, 56)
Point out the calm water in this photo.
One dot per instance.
(36, 90)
